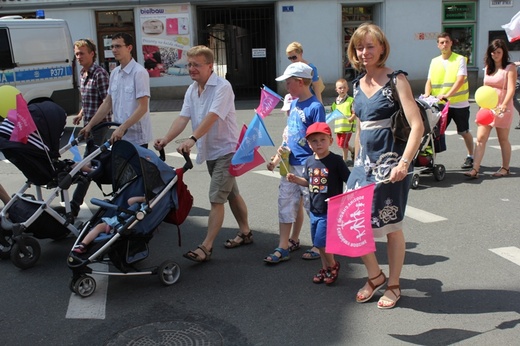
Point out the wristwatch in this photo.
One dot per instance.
(192, 137)
(405, 160)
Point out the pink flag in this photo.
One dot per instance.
(268, 101)
(241, 168)
(349, 228)
(23, 122)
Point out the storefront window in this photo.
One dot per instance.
(352, 17)
(459, 20)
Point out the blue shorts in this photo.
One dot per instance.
(318, 229)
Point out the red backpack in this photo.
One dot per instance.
(177, 215)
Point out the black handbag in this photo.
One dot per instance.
(399, 125)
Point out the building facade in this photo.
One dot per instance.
(249, 37)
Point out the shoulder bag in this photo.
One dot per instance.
(399, 126)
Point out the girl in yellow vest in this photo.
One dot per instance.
(345, 126)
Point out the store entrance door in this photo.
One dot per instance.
(242, 39)
(109, 23)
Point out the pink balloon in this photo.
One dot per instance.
(485, 116)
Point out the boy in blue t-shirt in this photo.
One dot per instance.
(304, 111)
(324, 176)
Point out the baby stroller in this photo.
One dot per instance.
(431, 144)
(136, 171)
(29, 216)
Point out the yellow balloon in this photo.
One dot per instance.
(486, 97)
(7, 99)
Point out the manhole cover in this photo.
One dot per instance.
(168, 333)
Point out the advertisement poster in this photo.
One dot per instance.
(165, 39)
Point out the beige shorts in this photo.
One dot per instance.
(289, 195)
(223, 185)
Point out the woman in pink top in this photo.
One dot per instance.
(501, 75)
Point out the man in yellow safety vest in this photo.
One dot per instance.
(448, 81)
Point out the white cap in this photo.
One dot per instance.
(297, 69)
(287, 102)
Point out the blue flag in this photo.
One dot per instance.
(273, 93)
(255, 136)
(74, 149)
(333, 116)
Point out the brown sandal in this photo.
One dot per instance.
(246, 239)
(473, 174)
(193, 256)
(499, 174)
(384, 299)
(373, 287)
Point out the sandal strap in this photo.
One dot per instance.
(245, 236)
(371, 280)
(204, 249)
(393, 288)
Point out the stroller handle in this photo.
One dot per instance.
(188, 165)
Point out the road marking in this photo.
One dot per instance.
(513, 147)
(510, 253)
(93, 307)
(268, 173)
(422, 215)
(411, 212)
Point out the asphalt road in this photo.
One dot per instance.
(460, 283)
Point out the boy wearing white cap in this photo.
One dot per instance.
(304, 111)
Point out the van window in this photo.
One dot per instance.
(6, 59)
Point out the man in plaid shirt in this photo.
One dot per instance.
(94, 89)
(94, 86)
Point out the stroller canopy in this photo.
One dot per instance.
(33, 158)
(130, 161)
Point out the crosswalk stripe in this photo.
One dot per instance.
(411, 212)
(510, 253)
(422, 215)
(93, 307)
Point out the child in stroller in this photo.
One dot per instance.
(136, 171)
(107, 226)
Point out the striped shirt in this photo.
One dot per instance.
(7, 127)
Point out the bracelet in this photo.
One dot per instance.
(405, 160)
(193, 138)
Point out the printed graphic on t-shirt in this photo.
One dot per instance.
(318, 180)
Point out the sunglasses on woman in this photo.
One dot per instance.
(294, 57)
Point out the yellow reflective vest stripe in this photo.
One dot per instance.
(342, 124)
(442, 79)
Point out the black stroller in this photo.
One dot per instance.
(136, 171)
(29, 215)
(431, 144)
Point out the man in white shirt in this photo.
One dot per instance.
(209, 104)
(128, 96)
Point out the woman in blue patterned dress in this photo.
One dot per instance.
(379, 159)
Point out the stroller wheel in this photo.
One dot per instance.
(439, 172)
(84, 286)
(169, 272)
(415, 181)
(26, 255)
